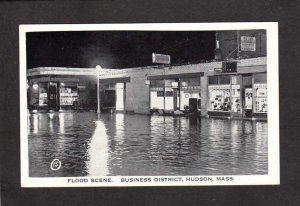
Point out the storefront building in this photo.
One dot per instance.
(234, 85)
(238, 95)
(202, 88)
(54, 88)
(171, 94)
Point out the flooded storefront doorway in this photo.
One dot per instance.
(53, 97)
(113, 96)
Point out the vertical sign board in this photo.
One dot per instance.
(248, 43)
(161, 58)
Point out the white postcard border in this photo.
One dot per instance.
(273, 177)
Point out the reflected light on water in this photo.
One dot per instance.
(61, 123)
(121, 144)
(51, 122)
(98, 151)
(35, 123)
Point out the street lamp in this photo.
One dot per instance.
(98, 68)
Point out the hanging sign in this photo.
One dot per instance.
(248, 43)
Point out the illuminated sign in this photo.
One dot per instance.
(161, 58)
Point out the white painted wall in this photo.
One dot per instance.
(169, 103)
(120, 96)
(156, 102)
(185, 96)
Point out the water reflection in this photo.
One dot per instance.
(120, 144)
(98, 151)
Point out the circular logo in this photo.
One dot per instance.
(55, 164)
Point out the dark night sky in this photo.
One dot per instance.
(116, 49)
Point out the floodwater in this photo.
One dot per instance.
(124, 144)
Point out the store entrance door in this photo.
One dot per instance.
(53, 100)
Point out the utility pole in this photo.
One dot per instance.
(98, 68)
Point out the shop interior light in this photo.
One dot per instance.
(62, 84)
(50, 83)
(35, 86)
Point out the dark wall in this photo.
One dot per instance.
(229, 42)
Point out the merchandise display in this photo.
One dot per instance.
(236, 98)
(261, 105)
(248, 98)
(219, 96)
(68, 96)
(43, 97)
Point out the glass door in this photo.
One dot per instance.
(53, 100)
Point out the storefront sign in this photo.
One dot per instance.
(161, 58)
(248, 43)
(229, 66)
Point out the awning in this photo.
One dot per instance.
(176, 76)
(114, 80)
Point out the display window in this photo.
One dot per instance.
(43, 94)
(261, 104)
(157, 98)
(219, 96)
(68, 95)
(189, 92)
(248, 98)
(236, 98)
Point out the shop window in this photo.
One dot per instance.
(260, 78)
(68, 95)
(261, 104)
(219, 97)
(157, 94)
(194, 81)
(236, 98)
(157, 83)
(34, 94)
(248, 98)
(224, 79)
(247, 80)
(213, 80)
(190, 93)
(43, 94)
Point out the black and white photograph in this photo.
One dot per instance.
(149, 104)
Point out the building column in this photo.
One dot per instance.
(204, 95)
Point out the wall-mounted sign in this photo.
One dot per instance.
(229, 67)
(161, 58)
(248, 43)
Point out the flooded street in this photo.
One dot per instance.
(126, 144)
